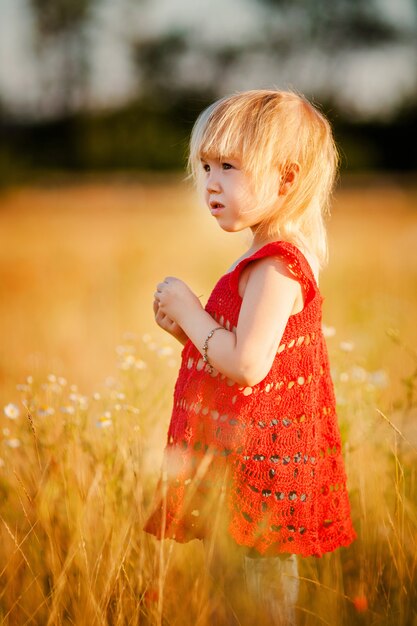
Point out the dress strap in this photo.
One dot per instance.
(294, 260)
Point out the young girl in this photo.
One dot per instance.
(253, 459)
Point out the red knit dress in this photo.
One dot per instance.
(273, 450)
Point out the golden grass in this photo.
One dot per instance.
(78, 267)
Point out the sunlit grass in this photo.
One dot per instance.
(86, 394)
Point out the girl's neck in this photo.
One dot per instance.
(260, 242)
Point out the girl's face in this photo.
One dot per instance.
(229, 194)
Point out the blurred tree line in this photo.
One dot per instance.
(150, 132)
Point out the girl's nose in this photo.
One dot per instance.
(213, 184)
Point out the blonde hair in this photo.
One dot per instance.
(270, 131)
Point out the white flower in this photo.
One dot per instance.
(69, 409)
(328, 331)
(131, 409)
(74, 388)
(125, 349)
(146, 338)
(358, 374)
(6, 432)
(23, 387)
(344, 377)
(29, 380)
(62, 381)
(165, 351)
(96, 395)
(346, 346)
(83, 402)
(43, 411)
(140, 365)
(11, 411)
(379, 378)
(127, 362)
(77, 398)
(55, 388)
(105, 421)
(51, 378)
(117, 395)
(12, 443)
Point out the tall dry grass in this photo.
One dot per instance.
(87, 382)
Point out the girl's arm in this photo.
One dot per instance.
(245, 356)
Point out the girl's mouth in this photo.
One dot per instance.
(216, 207)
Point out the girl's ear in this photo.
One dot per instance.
(288, 177)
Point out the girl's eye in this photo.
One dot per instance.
(227, 166)
(206, 167)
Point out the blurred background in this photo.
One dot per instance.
(95, 85)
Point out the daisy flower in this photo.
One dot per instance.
(11, 411)
(105, 421)
(12, 443)
(69, 409)
(43, 411)
(328, 331)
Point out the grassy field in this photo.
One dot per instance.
(87, 381)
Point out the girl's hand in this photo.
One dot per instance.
(168, 324)
(175, 299)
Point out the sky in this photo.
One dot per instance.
(370, 83)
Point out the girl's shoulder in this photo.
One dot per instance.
(279, 253)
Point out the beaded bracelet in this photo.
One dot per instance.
(205, 347)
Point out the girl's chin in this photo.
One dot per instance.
(231, 228)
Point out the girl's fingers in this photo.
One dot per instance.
(160, 317)
(164, 321)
